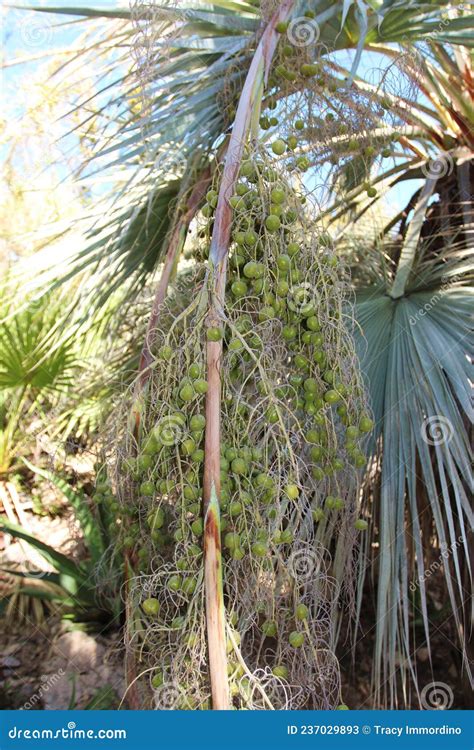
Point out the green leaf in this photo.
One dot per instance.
(82, 512)
(64, 566)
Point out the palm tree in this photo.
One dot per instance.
(168, 135)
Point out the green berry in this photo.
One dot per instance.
(311, 385)
(269, 628)
(194, 370)
(197, 526)
(157, 680)
(282, 288)
(266, 313)
(286, 536)
(232, 540)
(307, 70)
(292, 249)
(278, 196)
(251, 270)
(239, 466)
(186, 393)
(151, 607)
(272, 223)
(352, 432)
(279, 147)
(313, 323)
(189, 586)
(197, 422)
(235, 508)
(247, 169)
(259, 549)
(177, 623)
(188, 446)
(175, 583)
(284, 262)
(165, 352)
(214, 333)
(200, 386)
(331, 397)
(251, 239)
(296, 639)
(156, 519)
(289, 332)
(239, 289)
(147, 489)
(302, 612)
(366, 424)
(292, 491)
(144, 462)
(303, 163)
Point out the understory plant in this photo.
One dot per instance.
(85, 591)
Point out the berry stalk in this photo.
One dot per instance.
(249, 100)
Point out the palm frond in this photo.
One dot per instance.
(414, 355)
(179, 96)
